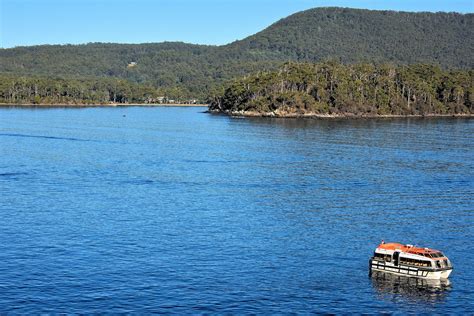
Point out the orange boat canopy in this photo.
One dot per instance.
(426, 252)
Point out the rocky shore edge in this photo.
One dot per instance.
(284, 114)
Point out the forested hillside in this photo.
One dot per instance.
(351, 35)
(190, 69)
(331, 88)
(346, 35)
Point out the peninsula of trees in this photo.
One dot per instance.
(331, 88)
(139, 73)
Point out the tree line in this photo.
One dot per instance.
(45, 90)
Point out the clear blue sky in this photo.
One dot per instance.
(32, 22)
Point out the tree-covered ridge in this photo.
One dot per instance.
(362, 89)
(348, 35)
(194, 69)
(355, 35)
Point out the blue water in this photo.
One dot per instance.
(173, 210)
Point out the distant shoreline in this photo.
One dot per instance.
(109, 105)
(247, 114)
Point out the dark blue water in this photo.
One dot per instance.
(173, 210)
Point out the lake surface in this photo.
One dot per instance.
(174, 210)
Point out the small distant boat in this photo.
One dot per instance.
(412, 261)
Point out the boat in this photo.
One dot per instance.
(409, 260)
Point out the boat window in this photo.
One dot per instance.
(415, 262)
(378, 255)
(381, 256)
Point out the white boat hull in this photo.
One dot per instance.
(404, 270)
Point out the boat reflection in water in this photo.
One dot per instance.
(394, 288)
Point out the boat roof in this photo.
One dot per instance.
(407, 248)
